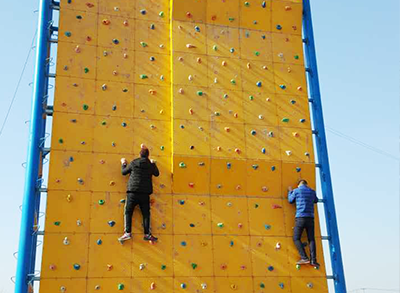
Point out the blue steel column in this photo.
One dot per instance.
(27, 241)
(322, 151)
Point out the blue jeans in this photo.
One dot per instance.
(308, 225)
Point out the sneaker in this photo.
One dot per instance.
(124, 237)
(303, 261)
(149, 237)
(314, 263)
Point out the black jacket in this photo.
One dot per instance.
(141, 170)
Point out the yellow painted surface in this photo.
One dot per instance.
(217, 91)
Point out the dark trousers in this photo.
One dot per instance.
(308, 225)
(132, 200)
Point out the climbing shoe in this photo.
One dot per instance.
(303, 262)
(314, 263)
(124, 237)
(149, 237)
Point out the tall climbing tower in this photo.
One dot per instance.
(217, 90)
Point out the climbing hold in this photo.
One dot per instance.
(80, 181)
(125, 23)
(298, 169)
(77, 49)
(233, 81)
(288, 153)
(198, 60)
(223, 63)
(188, 15)
(192, 147)
(270, 134)
(263, 150)
(192, 225)
(231, 19)
(263, 4)
(278, 246)
(143, 44)
(57, 223)
(152, 286)
(66, 241)
(300, 88)
(219, 186)
(86, 70)
(99, 241)
(115, 41)
(143, 76)
(220, 225)
(262, 285)
(181, 91)
(257, 53)
(224, 267)
(104, 122)
(190, 46)
(238, 151)
(163, 267)
(111, 223)
(267, 227)
(233, 287)
(161, 14)
(292, 102)
(101, 202)
(141, 267)
(229, 204)
(183, 286)
(52, 267)
(109, 267)
(279, 27)
(270, 268)
(194, 266)
(261, 117)
(285, 120)
(228, 165)
(215, 47)
(295, 134)
(232, 50)
(143, 11)
(190, 77)
(264, 189)
(253, 132)
(197, 29)
(63, 289)
(302, 120)
(104, 87)
(307, 154)
(68, 34)
(77, 267)
(162, 147)
(227, 129)
(296, 57)
(181, 202)
(255, 167)
(152, 26)
(105, 21)
(231, 243)
(246, 3)
(199, 93)
(282, 86)
(203, 286)
(259, 83)
(217, 113)
(183, 243)
(256, 206)
(310, 285)
(121, 286)
(182, 126)
(240, 225)
(281, 285)
(152, 58)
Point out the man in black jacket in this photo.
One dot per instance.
(140, 186)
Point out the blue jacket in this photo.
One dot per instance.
(305, 199)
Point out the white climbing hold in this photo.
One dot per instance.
(288, 153)
(66, 241)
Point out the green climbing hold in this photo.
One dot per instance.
(262, 285)
(257, 53)
(121, 286)
(57, 223)
(161, 14)
(215, 47)
(162, 147)
(143, 44)
(163, 267)
(199, 93)
(68, 34)
(85, 107)
(233, 81)
(232, 50)
(285, 120)
(231, 19)
(61, 140)
(217, 114)
(86, 70)
(182, 165)
(246, 4)
(103, 122)
(225, 96)
(194, 266)
(251, 98)
(256, 206)
(220, 225)
(101, 202)
(143, 76)
(79, 17)
(296, 57)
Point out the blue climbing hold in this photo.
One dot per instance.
(263, 150)
(143, 11)
(183, 243)
(264, 4)
(281, 285)
(231, 243)
(99, 242)
(232, 50)
(111, 223)
(263, 37)
(270, 268)
(282, 86)
(71, 159)
(259, 83)
(152, 58)
(298, 169)
(255, 167)
(302, 120)
(192, 225)
(152, 26)
(253, 132)
(183, 286)
(278, 27)
(273, 168)
(267, 227)
(197, 29)
(77, 266)
(181, 202)
(228, 165)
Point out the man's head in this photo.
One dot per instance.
(144, 153)
(302, 182)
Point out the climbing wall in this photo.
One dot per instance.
(217, 90)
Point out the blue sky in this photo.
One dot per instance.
(358, 54)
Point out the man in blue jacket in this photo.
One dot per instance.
(305, 198)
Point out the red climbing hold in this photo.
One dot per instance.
(275, 206)
(188, 15)
(90, 5)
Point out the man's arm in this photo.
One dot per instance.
(315, 197)
(156, 172)
(125, 167)
(292, 196)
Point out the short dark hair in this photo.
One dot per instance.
(144, 153)
(302, 181)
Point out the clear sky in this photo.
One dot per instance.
(358, 53)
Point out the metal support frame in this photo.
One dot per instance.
(33, 176)
(322, 151)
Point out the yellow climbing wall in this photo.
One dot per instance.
(217, 90)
